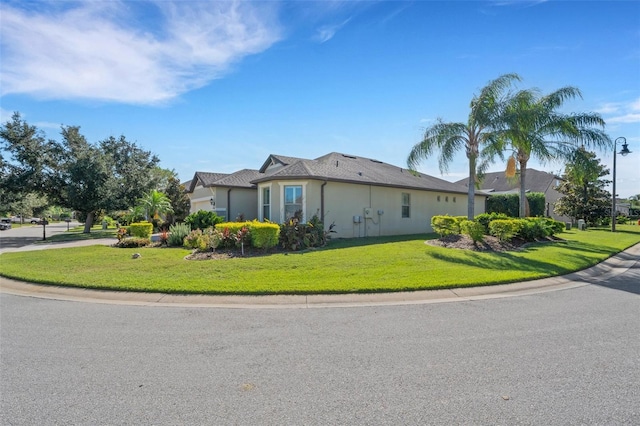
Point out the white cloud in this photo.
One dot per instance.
(608, 108)
(626, 118)
(628, 112)
(326, 32)
(105, 51)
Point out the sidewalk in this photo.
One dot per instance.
(613, 266)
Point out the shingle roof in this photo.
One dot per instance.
(206, 179)
(240, 179)
(349, 168)
(536, 181)
(278, 159)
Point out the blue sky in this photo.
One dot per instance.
(218, 86)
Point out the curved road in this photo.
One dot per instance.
(19, 237)
(562, 357)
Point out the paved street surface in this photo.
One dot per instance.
(557, 358)
(13, 238)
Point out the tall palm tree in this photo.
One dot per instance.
(156, 204)
(472, 136)
(533, 127)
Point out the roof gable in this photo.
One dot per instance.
(205, 179)
(277, 161)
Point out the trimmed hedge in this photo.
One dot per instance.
(133, 242)
(264, 235)
(445, 225)
(504, 229)
(141, 229)
(509, 204)
(473, 229)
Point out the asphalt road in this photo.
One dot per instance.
(28, 234)
(557, 358)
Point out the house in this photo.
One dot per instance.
(537, 181)
(359, 196)
(229, 195)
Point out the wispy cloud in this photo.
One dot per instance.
(326, 32)
(113, 51)
(621, 112)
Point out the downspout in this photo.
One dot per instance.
(322, 202)
(229, 204)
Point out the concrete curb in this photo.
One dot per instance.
(615, 265)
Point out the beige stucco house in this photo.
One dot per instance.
(230, 195)
(360, 196)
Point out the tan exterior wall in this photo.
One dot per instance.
(343, 201)
(243, 200)
(201, 198)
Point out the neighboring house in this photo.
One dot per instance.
(537, 181)
(360, 196)
(227, 194)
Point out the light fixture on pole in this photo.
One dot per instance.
(624, 151)
(213, 203)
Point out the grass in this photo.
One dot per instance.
(358, 265)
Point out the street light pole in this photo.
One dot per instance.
(624, 151)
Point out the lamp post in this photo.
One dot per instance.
(624, 151)
(213, 203)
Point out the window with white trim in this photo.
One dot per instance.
(406, 204)
(266, 203)
(292, 200)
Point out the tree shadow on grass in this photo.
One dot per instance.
(573, 254)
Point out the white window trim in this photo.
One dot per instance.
(261, 200)
(304, 197)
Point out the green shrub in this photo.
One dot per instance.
(504, 229)
(264, 235)
(234, 234)
(195, 240)
(445, 225)
(110, 221)
(509, 204)
(203, 219)
(133, 242)
(141, 229)
(177, 232)
(557, 227)
(532, 229)
(295, 235)
(473, 229)
(485, 218)
(537, 204)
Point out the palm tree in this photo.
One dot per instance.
(472, 136)
(155, 204)
(532, 126)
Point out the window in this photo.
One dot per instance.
(266, 203)
(406, 205)
(454, 199)
(292, 200)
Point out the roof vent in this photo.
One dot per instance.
(349, 156)
(359, 173)
(377, 161)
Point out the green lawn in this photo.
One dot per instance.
(358, 265)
